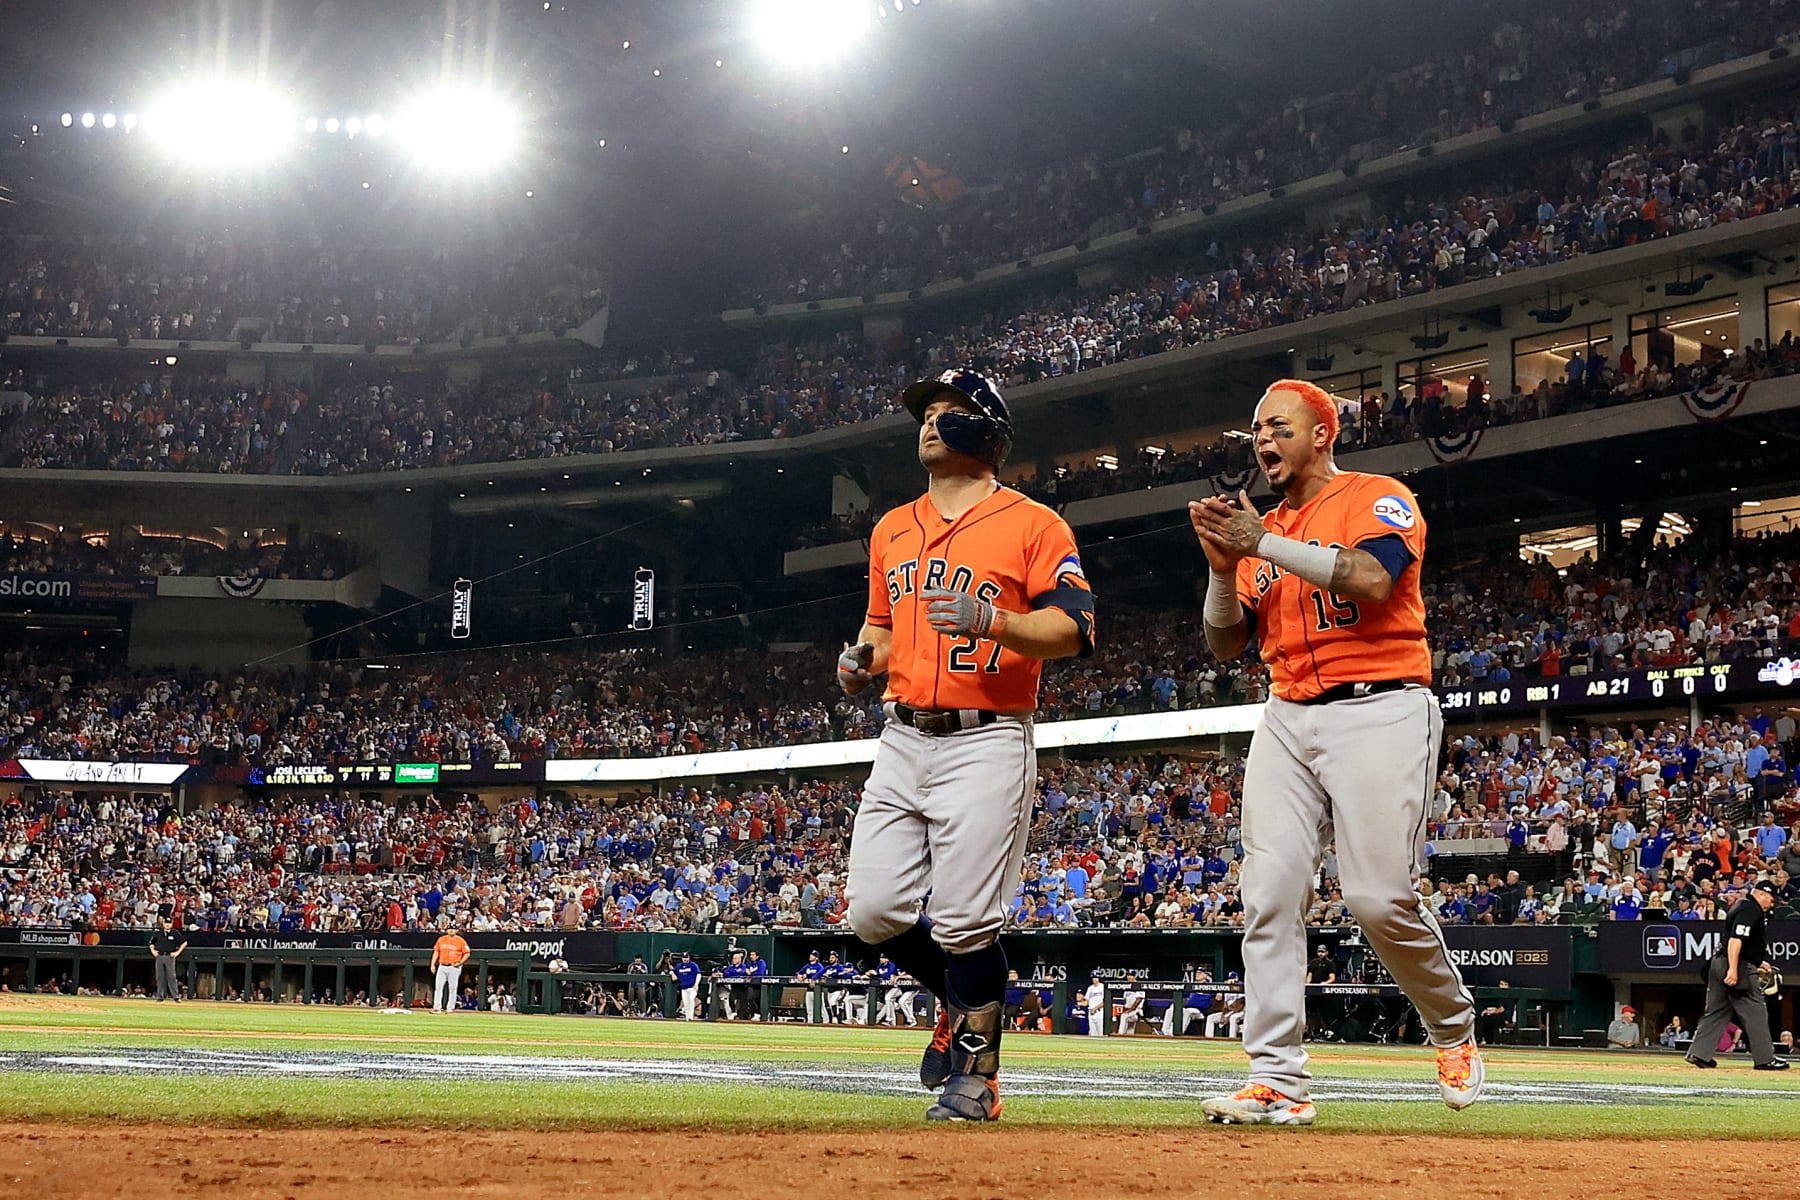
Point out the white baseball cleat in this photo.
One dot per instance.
(1258, 1104)
(1461, 1074)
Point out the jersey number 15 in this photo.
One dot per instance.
(1343, 612)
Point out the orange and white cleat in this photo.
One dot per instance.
(1258, 1104)
(1461, 1074)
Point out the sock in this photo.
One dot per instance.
(976, 978)
(916, 953)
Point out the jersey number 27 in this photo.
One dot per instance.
(962, 657)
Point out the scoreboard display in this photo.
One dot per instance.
(1649, 686)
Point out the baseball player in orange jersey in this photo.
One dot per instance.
(971, 587)
(448, 954)
(1348, 746)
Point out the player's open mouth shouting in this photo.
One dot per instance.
(1271, 436)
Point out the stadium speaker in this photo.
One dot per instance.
(1552, 316)
(368, 347)
(1504, 124)
(1682, 76)
(812, 306)
(1022, 264)
(1427, 150)
(1276, 193)
(1207, 210)
(868, 297)
(306, 349)
(1320, 362)
(243, 343)
(62, 341)
(1143, 230)
(124, 339)
(1778, 53)
(1430, 341)
(1687, 287)
(419, 348)
(1082, 245)
(184, 345)
(1590, 106)
(759, 309)
(1351, 168)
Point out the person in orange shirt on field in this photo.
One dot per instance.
(447, 958)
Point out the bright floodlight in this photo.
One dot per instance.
(109, 120)
(451, 130)
(87, 120)
(68, 119)
(809, 31)
(223, 124)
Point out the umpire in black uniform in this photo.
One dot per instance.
(165, 947)
(1732, 985)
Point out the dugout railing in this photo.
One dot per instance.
(288, 975)
(769, 998)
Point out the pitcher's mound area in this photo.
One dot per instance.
(964, 1163)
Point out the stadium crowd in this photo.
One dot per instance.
(208, 289)
(1646, 605)
(1627, 817)
(1568, 206)
(37, 551)
(1526, 63)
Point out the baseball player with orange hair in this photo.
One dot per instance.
(971, 587)
(1328, 581)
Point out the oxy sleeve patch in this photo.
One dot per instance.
(1395, 512)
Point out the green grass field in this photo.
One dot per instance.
(108, 1060)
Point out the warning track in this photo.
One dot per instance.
(844, 1077)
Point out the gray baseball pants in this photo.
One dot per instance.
(946, 816)
(1360, 770)
(444, 994)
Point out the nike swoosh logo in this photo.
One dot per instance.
(894, 537)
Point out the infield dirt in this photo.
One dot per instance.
(150, 1162)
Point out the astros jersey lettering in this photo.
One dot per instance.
(1314, 640)
(1009, 550)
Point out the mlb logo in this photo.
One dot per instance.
(1662, 946)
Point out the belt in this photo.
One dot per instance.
(1354, 691)
(940, 722)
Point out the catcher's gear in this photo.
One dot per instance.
(985, 434)
(1771, 980)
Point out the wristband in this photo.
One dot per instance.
(1314, 564)
(1222, 609)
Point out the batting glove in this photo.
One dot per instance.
(957, 613)
(853, 667)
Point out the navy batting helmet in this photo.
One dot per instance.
(984, 434)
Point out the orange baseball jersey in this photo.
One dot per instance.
(451, 950)
(1314, 640)
(1008, 550)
